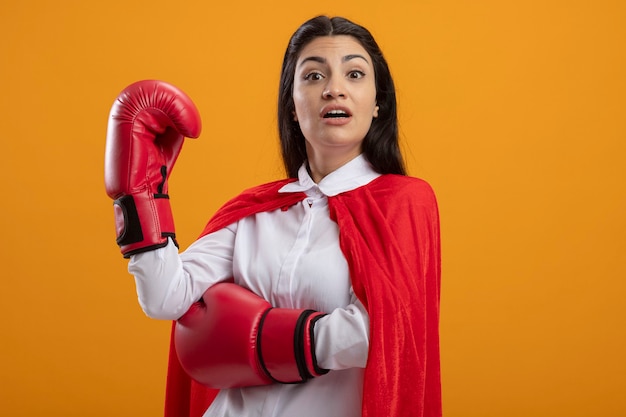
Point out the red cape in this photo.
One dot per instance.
(389, 234)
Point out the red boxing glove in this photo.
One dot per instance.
(147, 125)
(233, 338)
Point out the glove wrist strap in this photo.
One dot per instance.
(143, 222)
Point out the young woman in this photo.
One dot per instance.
(317, 295)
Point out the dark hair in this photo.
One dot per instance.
(380, 145)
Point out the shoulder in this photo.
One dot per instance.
(403, 188)
(393, 196)
(269, 187)
(264, 194)
(264, 197)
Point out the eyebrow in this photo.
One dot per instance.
(321, 60)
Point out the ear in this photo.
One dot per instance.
(376, 108)
(295, 116)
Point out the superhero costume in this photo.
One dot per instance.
(389, 234)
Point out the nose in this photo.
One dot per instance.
(334, 89)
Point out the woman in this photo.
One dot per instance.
(348, 234)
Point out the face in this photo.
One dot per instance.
(334, 95)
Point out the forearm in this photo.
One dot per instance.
(342, 338)
(168, 283)
(160, 280)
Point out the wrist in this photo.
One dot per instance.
(143, 222)
(286, 345)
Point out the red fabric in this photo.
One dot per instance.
(389, 234)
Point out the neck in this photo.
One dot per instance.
(320, 166)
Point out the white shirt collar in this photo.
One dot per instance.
(356, 173)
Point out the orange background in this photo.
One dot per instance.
(513, 110)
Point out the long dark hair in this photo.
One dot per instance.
(380, 145)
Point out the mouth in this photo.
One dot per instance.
(336, 114)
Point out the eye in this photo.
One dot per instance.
(313, 76)
(356, 74)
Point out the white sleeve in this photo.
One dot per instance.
(168, 283)
(342, 337)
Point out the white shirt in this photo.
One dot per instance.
(292, 259)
